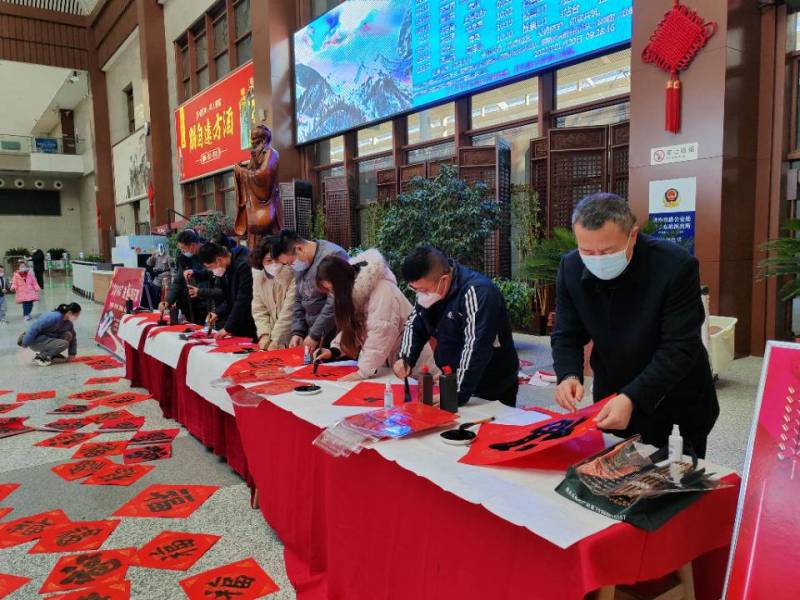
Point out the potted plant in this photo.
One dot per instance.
(541, 267)
(783, 260)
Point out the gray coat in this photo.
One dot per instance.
(313, 310)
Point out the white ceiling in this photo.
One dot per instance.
(33, 95)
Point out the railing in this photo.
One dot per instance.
(26, 144)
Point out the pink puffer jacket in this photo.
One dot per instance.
(25, 287)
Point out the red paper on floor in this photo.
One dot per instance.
(67, 439)
(70, 409)
(75, 537)
(168, 501)
(81, 570)
(98, 449)
(102, 380)
(244, 580)
(13, 426)
(66, 424)
(26, 529)
(4, 510)
(87, 358)
(118, 590)
(11, 583)
(275, 387)
(174, 550)
(123, 399)
(90, 395)
(275, 359)
(105, 364)
(115, 474)
(139, 454)
(500, 444)
(81, 469)
(324, 372)
(154, 436)
(6, 489)
(26, 396)
(114, 415)
(132, 424)
(4, 392)
(5, 408)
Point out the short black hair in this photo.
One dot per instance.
(72, 307)
(285, 242)
(209, 252)
(262, 249)
(423, 260)
(188, 236)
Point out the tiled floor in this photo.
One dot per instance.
(243, 536)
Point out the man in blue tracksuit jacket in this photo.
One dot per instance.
(466, 314)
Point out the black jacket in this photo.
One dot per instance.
(37, 258)
(473, 336)
(645, 325)
(194, 309)
(236, 313)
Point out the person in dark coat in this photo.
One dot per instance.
(233, 315)
(194, 296)
(37, 258)
(638, 300)
(467, 315)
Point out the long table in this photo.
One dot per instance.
(404, 519)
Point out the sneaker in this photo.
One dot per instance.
(3, 322)
(26, 318)
(58, 358)
(42, 361)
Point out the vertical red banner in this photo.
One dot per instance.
(765, 552)
(125, 285)
(213, 128)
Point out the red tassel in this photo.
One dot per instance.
(673, 105)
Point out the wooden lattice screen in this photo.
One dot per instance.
(297, 207)
(620, 137)
(341, 217)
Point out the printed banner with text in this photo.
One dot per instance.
(125, 285)
(213, 127)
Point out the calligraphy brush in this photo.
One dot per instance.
(407, 391)
(316, 360)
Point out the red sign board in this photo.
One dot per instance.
(125, 285)
(765, 552)
(213, 127)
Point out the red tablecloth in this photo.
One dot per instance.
(215, 428)
(364, 527)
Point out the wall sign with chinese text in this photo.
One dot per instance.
(665, 155)
(672, 209)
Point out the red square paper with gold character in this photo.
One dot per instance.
(75, 537)
(174, 550)
(91, 568)
(167, 501)
(243, 580)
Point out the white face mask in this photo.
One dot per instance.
(426, 300)
(23, 269)
(273, 269)
(188, 254)
(607, 266)
(299, 266)
(218, 271)
(72, 318)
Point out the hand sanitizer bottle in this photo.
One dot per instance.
(675, 445)
(388, 397)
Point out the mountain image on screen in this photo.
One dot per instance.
(335, 88)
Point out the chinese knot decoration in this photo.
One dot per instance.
(676, 41)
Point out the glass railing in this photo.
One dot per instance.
(25, 144)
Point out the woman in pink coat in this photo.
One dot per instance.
(25, 288)
(370, 312)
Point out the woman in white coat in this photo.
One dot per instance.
(273, 298)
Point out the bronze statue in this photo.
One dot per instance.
(257, 193)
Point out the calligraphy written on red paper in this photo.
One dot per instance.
(123, 399)
(270, 361)
(90, 394)
(244, 580)
(67, 424)
(82, 570)
(30, 528)
(6, 408)
(70, 409)
(168, 501)
(279, 386)
(140, 454)
(114, 415)
(131, 424)
(117, 590)
(75, 536)
(26, 396)
(155, 436)
(97, 449)
(80, 469)
(68, 439)
(13, 426)
(102, 380)
(324, 372)
(174, 550)
(115, 474)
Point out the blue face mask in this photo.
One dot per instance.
(188, 254)
(607, 266)
(299, 266)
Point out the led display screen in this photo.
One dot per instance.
(367, 60)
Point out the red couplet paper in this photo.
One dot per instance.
(11, 583)
(102, 380)
(167, 501)
(174, 550)
(91, 568)
(244, 580)
(5, 408)
(185, 328)
(66, 424)
(366, 393)
(123, 475)
(275, 359)
(67, 439)
(13, 426)
(118, 590)
(131, 424)
(139, 454)
(273, 388)
(90, 395)
(4, 392)
(154, 436)
(498, 444)
(256, 375)
(98, 449)
(80, 469)
(114, 415)
(4, 510)
(324, 372)
(231, 348)
(123, 399)
(26, 396)
(77, 536)
(26, 529)
(105, 364)
(401, 421)
(70, 409)
(6, 489)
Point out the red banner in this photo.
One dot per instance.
(213, 127)
(125, 285)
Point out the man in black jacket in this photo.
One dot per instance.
(234, 315)
(191, 296)
(38, 259)
(638, 300)
(466, 313)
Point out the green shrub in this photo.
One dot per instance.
(95, 258)
(206, 226)
(17, 252)
(56, 253)
(517, 295)
(319, 222)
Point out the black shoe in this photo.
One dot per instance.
(42, 361)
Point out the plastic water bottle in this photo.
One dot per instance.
(388, 397)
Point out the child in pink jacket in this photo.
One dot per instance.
(25, 288)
